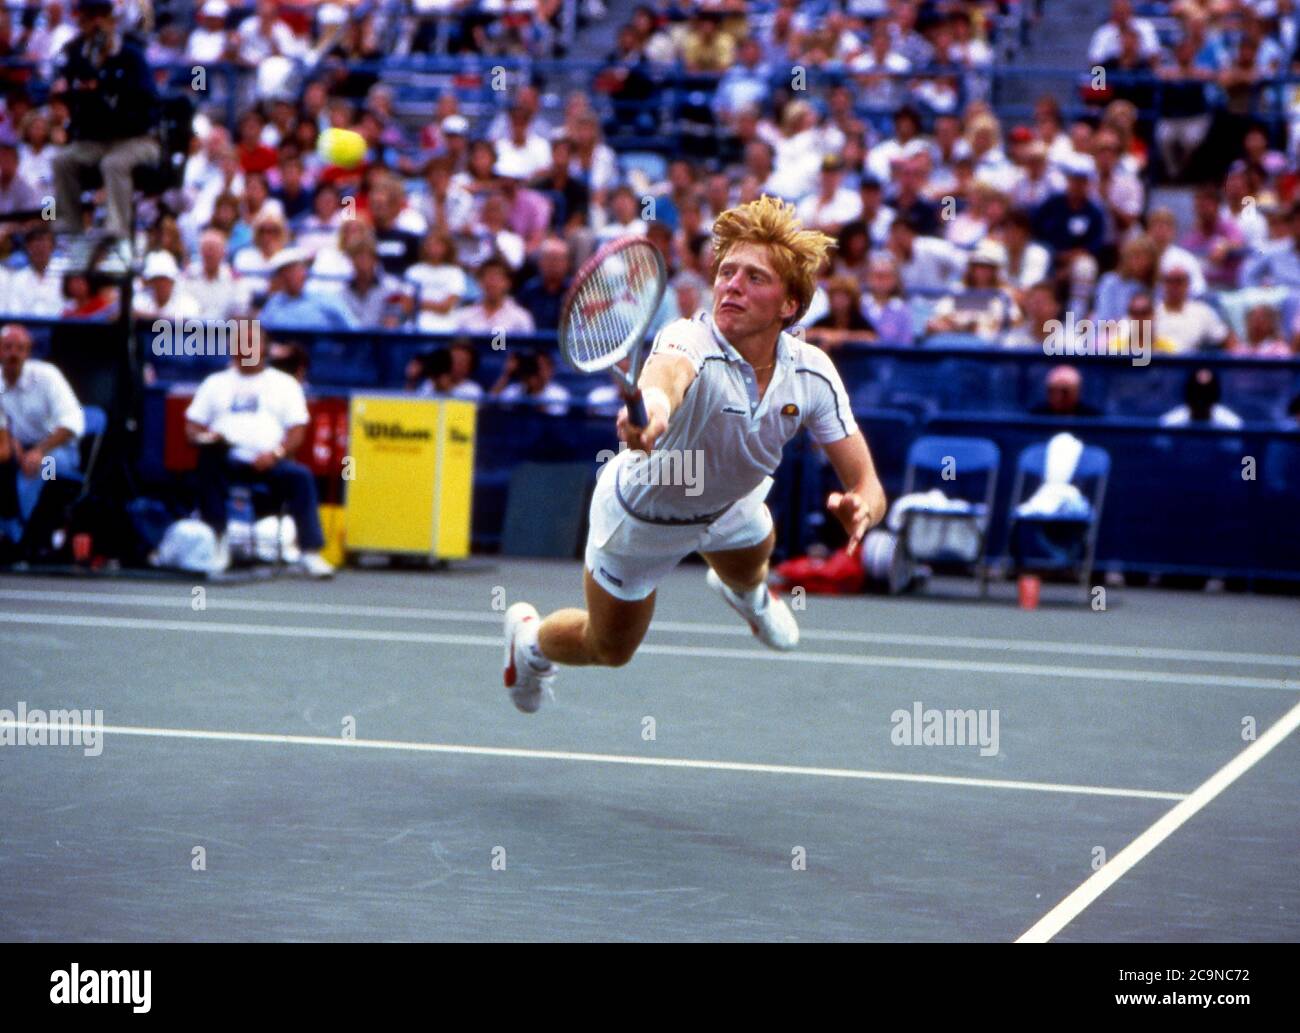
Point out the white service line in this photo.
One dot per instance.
(201, 625)
(339, 742)
(216, 601)
(1113, 870)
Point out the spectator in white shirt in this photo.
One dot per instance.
(210, 281)
(247, 422)
(1201, 406)
(255, 263)
(209, 41)
(438, 283)
(265, 34)
(1162, 227)
(36, 290)
(924, 263)
(1105, 42)
(160, 298)
(833, 204)
(44, 421)
(1184, 324)
(498, 312)
(522, 153)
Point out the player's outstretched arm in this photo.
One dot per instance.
(862, 503)
(663, 384)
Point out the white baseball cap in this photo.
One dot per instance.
(161, 263)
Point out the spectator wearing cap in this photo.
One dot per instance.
(292, 307)
(833, 205)
(211, 282)
(210, 41)
(109, 90)
(1201, 406)
(497, 312)
(35, 290)
(1073, 226)
(44, 421)
(453, 145)
(1279, 262)
(373, 297)
(1064, 395)
(883, 304)
(438, 283)
(1184, 324)
(875, 214)
(543, 294)
(983, 308)
(924, 263)
(1215, 240)
(160, 298)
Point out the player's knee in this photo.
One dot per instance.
(614, 654)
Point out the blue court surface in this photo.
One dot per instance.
(285, 760)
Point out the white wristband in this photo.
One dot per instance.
(656, 396)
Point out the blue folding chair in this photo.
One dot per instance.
(965, 469)
(1053, 544)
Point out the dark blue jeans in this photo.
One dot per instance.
(290, 483)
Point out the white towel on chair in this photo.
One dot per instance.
(1056, 496)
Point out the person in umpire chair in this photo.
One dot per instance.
(113, 110)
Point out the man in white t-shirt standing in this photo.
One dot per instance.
(247, 421)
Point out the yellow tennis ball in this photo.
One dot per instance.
(341, 147)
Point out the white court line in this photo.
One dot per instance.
(215, 601)
(1046, 671)
(618, 758)
(1069, 909)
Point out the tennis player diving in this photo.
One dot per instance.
(732, 387)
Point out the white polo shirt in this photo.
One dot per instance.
(39, 403)
(735, 440)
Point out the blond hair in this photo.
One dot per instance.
(798, 254)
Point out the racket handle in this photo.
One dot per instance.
(636, 415)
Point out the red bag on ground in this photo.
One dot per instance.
(836, 574)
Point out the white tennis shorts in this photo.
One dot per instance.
(628, 556)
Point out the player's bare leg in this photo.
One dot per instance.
(607, 632)
(740, 577)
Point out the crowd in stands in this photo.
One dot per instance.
(953, 223)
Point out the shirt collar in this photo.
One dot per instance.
(784, 353)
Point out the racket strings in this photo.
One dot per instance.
(611, 305)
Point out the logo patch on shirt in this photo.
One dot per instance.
(789, 409)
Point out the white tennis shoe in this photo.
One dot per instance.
(768, 616)
(528, 674)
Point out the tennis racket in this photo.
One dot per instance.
(606, 313)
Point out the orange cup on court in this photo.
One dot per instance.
(1029, 585)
